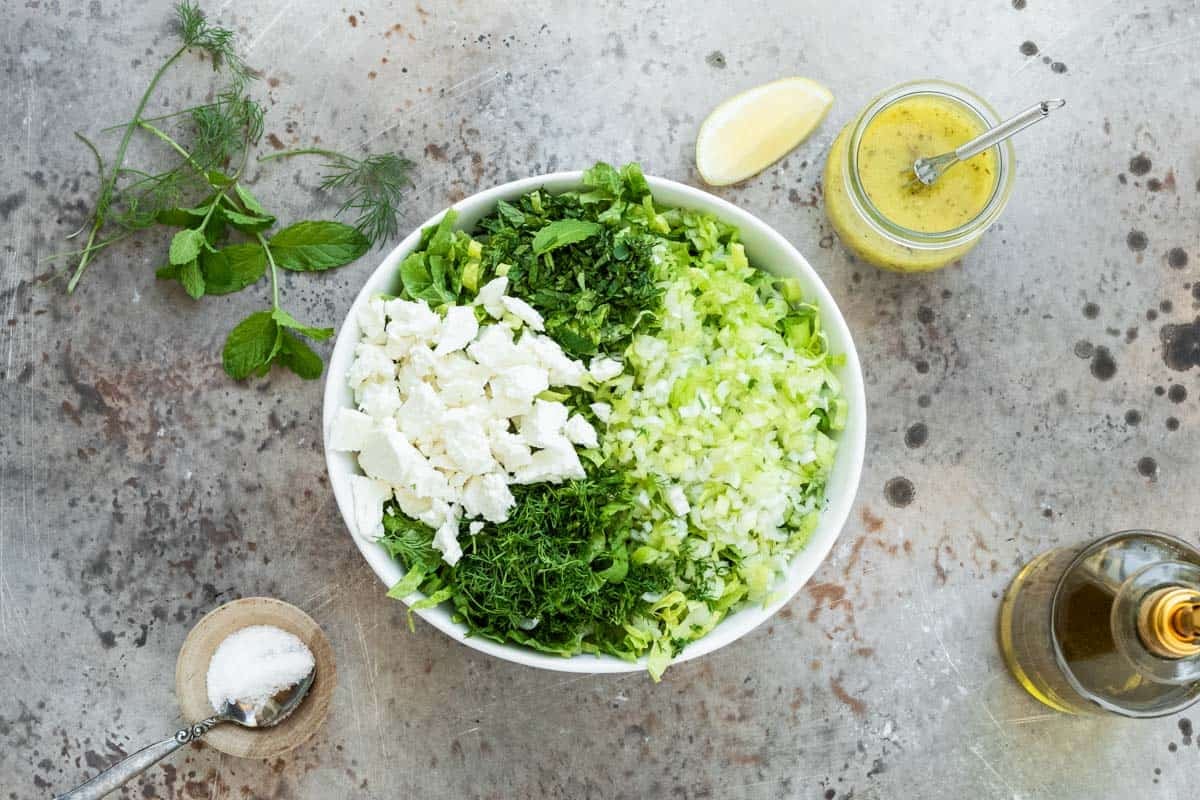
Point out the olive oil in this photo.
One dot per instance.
(1110, 627)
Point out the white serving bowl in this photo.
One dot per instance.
(767, 250)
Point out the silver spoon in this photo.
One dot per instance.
(928, 170)
(263, 714)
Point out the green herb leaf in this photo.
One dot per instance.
(288, 321)
(408, 584)
(167, 272)
(186, 245)
(250, 201)
(313, 246)
(245, 222)
(232, 268)
(251, 345)
(420, 283)
(299, 357)
(192, 280)
(180, 217)
(563, 232)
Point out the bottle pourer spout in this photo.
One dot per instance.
(1169, 622)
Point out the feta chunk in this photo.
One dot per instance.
(412, 505)
(678, 501)
(489, 296)
(488, 496)
(420, 416)
(520, 384)
(368, 496)
(459, 328)
(524, 312)
(350, 430)
(556, 462)
(380, 401)
(371, 363)
(412, 318)
(495, 350)
(396, 347)
(605, 369)
(475, 527)
(603, 411)
(371, 321)
(543, 424)
(580, 431)
(446, 541)
(509, 449)
(467, 445)
(544, 351)
(391, 458)
(460, 380)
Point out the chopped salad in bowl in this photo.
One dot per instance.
(572, 422)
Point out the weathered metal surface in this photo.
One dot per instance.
(1015, 394)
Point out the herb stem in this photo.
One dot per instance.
(109, 185)
(274, 274)
(163, 135)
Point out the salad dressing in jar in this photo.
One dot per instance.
(886, 218)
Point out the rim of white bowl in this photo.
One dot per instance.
(841, 488)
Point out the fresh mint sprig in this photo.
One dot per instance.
(203, 195)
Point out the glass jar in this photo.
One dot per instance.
(857, 218)
(1112, 627)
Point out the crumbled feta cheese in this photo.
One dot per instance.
(412, 505)
(412, 318)
(678, 501)
(466, 444)
(371, 363)
(543, 424)
(605, 369)
(460, 380)
(509, 449)
(396, 347)
(420, 416)
(524, 312)
(369, 495)
(495, 350)
(448, 412)
(544, 351)
(520, 384)
(489, 296)
(488, 496)
(446, 541)
(580, 431)
(350, 430)
(556, 462)
(603, 411)
(379, 400)
(389, 458)
(371, 321)
(458, 330)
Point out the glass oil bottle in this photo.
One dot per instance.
(1112, 627)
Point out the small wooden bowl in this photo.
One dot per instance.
(191, 677)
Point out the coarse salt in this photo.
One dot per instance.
(254, 663)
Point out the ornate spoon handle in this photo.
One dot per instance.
(135, 764)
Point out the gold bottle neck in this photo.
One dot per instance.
(1169, 622)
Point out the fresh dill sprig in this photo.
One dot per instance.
(557, 575)
(195, 32)
(202, 195)
(374, 185)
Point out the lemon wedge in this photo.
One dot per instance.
(748, 132)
